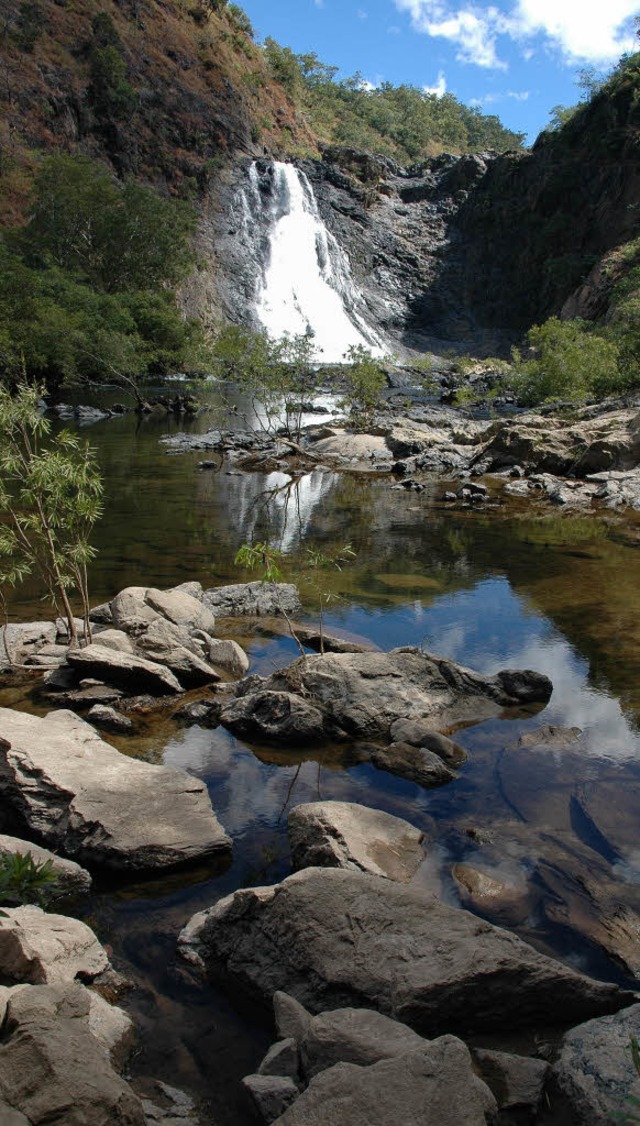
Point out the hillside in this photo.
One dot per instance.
(164, 91)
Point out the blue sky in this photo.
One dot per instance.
(515, 58)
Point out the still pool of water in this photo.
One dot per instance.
(508, 586)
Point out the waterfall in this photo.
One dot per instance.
(305, 283)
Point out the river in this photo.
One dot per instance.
(489, 588)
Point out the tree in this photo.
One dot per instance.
(117, 236)
(50, 498)
(365, 382)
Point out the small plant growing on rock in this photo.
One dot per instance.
(317, 563)
(25, 880)
(630, 1117)
(267, 561)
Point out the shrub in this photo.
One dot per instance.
(571, 361)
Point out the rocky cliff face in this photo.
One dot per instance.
(466, 253)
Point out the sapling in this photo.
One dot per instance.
(50, 498)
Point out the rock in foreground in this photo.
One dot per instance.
(361, 696)
(98, 806)
(334, 938)
(595, 1070)
(52, 1069)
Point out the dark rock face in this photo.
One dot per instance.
(333, 938)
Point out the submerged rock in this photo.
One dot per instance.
(333, 938)
(335, 834)
(85, 798)
(361, 695)
(414, 763)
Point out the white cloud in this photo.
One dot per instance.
(319, 3)
(440, 87)
(362, 15)
(591, 32)
(492, 98)
(584, 32)
(473, 31)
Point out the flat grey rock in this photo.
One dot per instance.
(134, 674)
(334, 939)
(335, 834)
(270, 1094)
(517, 1082)
(360, 1036)
(257, 598)
(98, 806)
(169, 644)
(47, 949)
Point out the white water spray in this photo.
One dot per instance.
(306, 284)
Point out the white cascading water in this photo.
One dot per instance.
(306, 284)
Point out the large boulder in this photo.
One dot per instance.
(46, 949)
(595, 1070)
(124, 670)
(181, 608)
(52, 1069)
(362, 695)
(249, 599)
(335, 938)
(335, 834)
(101, 807)
(20, 641)
(129, 611)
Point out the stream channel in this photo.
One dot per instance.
(504, 586)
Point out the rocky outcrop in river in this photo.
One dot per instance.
(333, 938)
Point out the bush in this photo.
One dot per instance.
(571, 362)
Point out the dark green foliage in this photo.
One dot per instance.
(29, 27)
(50, 498)
(23, 880)
(116, 236)
(398, 121)
(570, 360)
(84, 288)
(364, 382)
(110, 94)
(241, 19)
